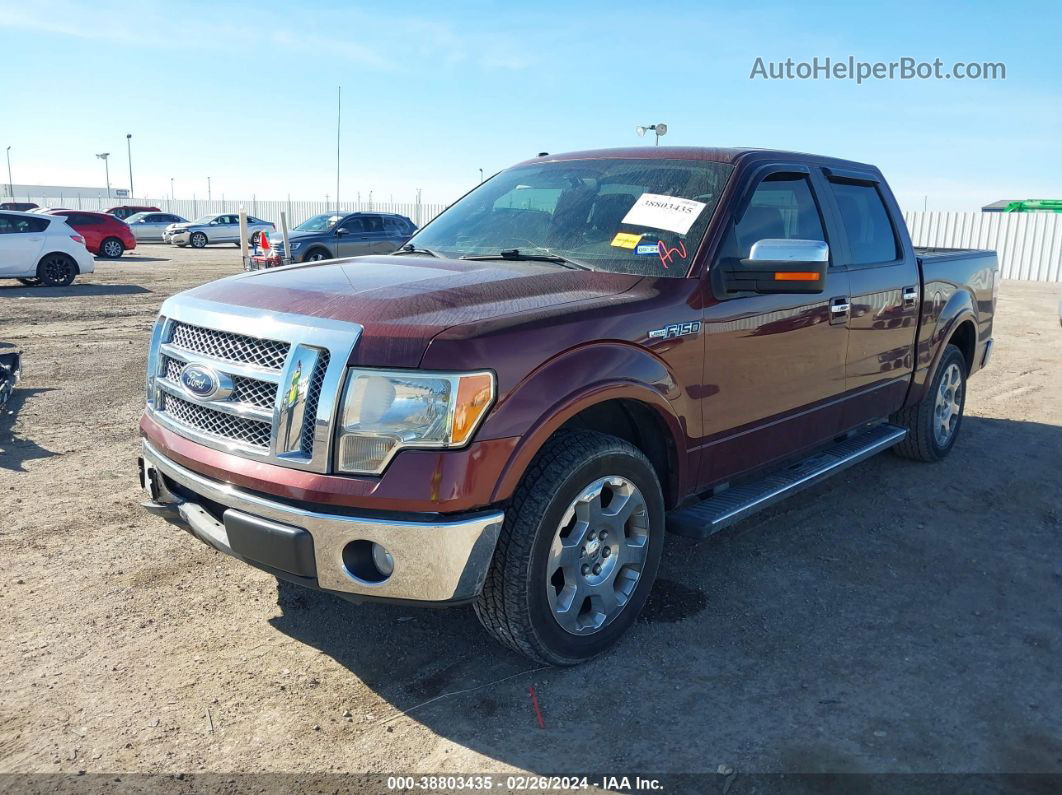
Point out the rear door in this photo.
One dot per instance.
(884, 280)
(21, 240)
(352, 238)
(774, 372)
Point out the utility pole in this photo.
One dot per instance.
(107, 170)
(129, 152)
(208, 188)
(339, 120)
(10, 182)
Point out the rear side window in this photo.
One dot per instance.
(16, 224)
(866, 223)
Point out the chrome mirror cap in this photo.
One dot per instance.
(781, 250)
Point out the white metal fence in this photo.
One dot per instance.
(1029, 244)
(298, 211)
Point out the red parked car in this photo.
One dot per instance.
(105, 235)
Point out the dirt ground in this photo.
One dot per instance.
(902, 617)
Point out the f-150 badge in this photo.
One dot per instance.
(675, 330)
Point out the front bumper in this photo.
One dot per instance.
(181, 237)
(438, 560)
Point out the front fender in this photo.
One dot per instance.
(573, 381)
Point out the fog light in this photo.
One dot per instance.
(368, 561)
(383, 560)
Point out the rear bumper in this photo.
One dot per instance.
(436, 560)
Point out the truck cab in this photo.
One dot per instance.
(585, 352)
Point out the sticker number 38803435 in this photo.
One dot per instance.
(664, 212)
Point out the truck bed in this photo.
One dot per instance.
(937, 254)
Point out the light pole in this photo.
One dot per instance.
(208, 188)
(171, 189)
(481, 176)
(659, 128)
(107, 170)
(10, 182)
(129, 152)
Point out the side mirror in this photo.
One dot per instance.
(781, 266)
(340, 232)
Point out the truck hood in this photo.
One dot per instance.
(403, 302)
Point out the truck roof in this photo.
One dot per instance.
(718, 154)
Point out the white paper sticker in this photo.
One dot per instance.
(664, 212)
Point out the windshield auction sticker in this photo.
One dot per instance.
(664, 212)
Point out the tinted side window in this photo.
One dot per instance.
(373, 223)
(782, 207)
(866, 223)
(353, 225)
(16, 224)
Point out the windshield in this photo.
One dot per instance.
(319, 223)
(625, 216)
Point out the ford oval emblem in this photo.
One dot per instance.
(200, 381)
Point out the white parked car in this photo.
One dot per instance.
(218, 228)
(41, 249)
(150, 226)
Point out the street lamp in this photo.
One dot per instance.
(129, 151)
(481, 176)
(10, 182)
(660, 129)
(107, 169)
(171, 189)
(208, 188)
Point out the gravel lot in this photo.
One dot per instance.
(902, 617)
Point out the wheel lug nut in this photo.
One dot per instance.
(586, 569)
(597, 568)
(604, 535)
(606, 552)
(591, 535)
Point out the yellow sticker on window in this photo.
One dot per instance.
(626, 240)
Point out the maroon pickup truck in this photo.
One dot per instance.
(583, 351)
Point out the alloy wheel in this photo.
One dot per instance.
(597, 555)
(948, 408)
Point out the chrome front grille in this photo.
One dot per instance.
(230, 427)
(268, 354)
(277, 393)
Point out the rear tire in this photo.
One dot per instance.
(56, 270)
(933, 424)
(558, 591)
(31, 282)
(198, 240)
(111, 248)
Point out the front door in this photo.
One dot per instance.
(352, 238)
(774, 371)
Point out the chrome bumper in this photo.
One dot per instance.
(434, 561)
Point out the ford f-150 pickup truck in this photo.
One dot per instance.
(584, 350)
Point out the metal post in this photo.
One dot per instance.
(10, 182)
(208, 188)
(246, 260)
(287, 246)
(129, 152)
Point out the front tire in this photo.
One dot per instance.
(111, 248)
(56, 270)
(933, 424)
(316, 255)
(198, 240)
(578, 552)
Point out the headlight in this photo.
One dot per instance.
(295, 245)
(385, 411)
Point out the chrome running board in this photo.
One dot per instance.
(704, 518)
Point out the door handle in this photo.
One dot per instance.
(839, 309)
(910, 295)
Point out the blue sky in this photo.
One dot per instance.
(245, 92)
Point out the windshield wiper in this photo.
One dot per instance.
(515, 255)
(409, 248)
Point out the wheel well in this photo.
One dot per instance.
(61, 254)
(642, 426)
(965, 339)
